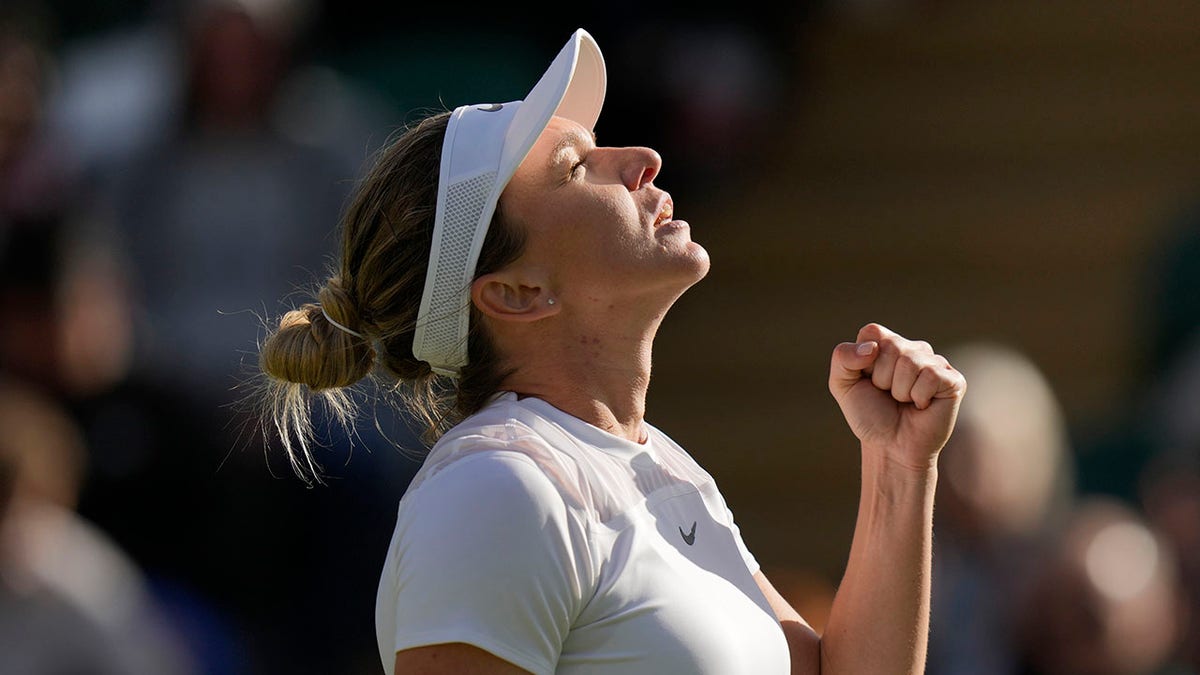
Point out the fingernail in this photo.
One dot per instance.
(865, 348)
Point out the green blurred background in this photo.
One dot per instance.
(1024, 175)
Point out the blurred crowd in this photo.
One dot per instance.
(153, 208)
(170, 178)
(164, 182)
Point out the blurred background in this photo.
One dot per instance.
(1016, 182)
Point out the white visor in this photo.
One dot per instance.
(484, 145)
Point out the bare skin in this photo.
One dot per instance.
(598, 248)
(603, 245)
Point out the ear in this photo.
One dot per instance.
(505, 298)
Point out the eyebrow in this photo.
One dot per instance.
(569, 139)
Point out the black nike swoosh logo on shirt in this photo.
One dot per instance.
(690, 537)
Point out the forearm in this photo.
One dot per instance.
(879, 622)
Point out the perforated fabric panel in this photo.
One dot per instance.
(465, 202)
(601, 484)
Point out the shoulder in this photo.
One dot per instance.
(504, 439)
(679, 461)
(493, 503)
(488, 474)
(492, 441)
(495, 508)
(504, 459)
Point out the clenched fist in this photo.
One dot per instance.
(899, 397)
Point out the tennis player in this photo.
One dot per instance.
(509, 275)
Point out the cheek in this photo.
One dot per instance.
(591, 226)
(612, 237)
(613, 219)
(581, 233)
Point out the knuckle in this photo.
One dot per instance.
(872, 331)
(953, 381)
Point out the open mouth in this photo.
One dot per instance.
(665, 213)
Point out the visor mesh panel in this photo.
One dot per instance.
(465, 202)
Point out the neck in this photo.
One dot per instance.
(596, 368)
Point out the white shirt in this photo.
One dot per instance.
(565, 549)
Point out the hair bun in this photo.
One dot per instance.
(338, 309)
(308, 349)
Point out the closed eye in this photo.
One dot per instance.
(573, 143)
(576, 168)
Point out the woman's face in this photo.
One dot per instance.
(597, 227)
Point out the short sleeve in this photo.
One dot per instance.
(718, 508)
(488, 554)
(750, 560)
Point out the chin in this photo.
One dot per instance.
(693, 265)
(701, 255)
(699, 259)
(672, 270)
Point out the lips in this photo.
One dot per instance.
(666, 211)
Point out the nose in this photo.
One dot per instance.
(639, 166)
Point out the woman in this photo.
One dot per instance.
(497, 257)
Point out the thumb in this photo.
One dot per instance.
(849, 361)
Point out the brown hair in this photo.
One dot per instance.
(375, 289)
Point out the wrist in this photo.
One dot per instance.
(893, 488)
(885, 462)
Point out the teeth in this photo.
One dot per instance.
(667, 212)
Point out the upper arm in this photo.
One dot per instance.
(804, 644)
(454, 658)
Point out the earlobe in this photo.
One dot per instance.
(506, 300)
